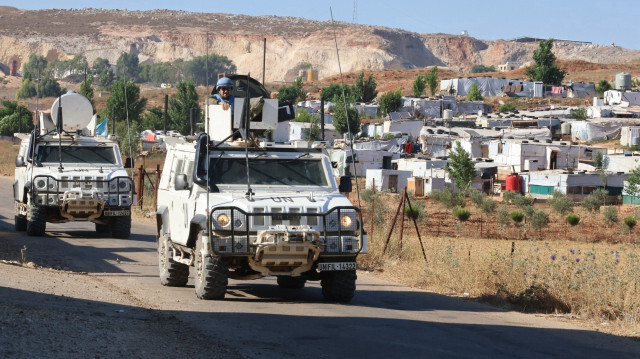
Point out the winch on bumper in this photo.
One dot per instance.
(286, 250)
(81, 204)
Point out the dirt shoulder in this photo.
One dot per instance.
(50, 313)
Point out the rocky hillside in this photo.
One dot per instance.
(165, 35)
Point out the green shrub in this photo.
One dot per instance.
(573, 219)
(503, 216)
(476, 197)
(579, 113)
(560, 203)
(610, 215)
(509, 196)
(507, 107)
(539, 220)
(516, 216)
(489, 206)
(462, 214)
(595, 200)
(523, 202)
(630, 222)
(448, 198)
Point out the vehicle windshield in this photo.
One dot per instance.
(268, 171)
(77, 154)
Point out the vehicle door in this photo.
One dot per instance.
(180, 205)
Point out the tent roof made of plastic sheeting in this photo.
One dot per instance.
(590, 131)
(399, 116)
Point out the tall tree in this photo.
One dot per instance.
(390, 101)
(180, 106)
(133, 106)
(293, 93)
(34, 67)
(474, 93)
(365, 91)
(9, 116)
(128, 66)
(334, 92)
(196, 69)
(460, 167)
(602, 86)
(340, 118)
(545, 68)
(431, 79)
(419, 84)
(632, 184)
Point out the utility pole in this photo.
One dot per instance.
(355, 11)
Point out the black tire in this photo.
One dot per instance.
(288, 282)
(20, 223)
(102, 228)
(172, 273)
(36, 220)
(338, 286)
(211, 276)
(121, 228)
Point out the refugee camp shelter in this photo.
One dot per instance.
(387, 179)
(630, 135)
(303, 130)
(575, 184)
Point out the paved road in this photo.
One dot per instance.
(384, 320)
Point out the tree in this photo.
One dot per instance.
(105, 78)
(180, 106)
(49, 87)
(128, 66)
(340, 117)
(632, 184)
(34, 67)
(9, 116)
(476, 69)
(100, 64)
(419, 84)
(334, 92)
(27, 89)
(86, 89)
(560, 202)
(460, 167)
(153, 119)
(474, 93)
(545, 68)
(134, 104)
(200, 67)
(390, 101)
(365, 91)
(293, 93)
(603, 86)
(431, 78)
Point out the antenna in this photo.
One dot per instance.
(355, 12)
(245, 127)
(346, 111)
(60, 128)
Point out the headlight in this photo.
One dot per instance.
(122, 184)
(346, 221)
(223, 220)
(41, 184)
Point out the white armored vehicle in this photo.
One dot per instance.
(65, 173)
(249, 211)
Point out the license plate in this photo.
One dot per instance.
(325, 267)
(116, 213)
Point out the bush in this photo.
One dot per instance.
(560, 203)
(476, 197)
(413, 212)
(630, 222)
(610, 215)
(516, 216)
(448, 198)
(489, 206)
(595, 200)
(462, 214)
(523, 202)
(539, 220)
(507, 107)
(573, 219)
(579, 113)
(508, 196)
(504, 220)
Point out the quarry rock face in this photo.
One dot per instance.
(167, 35)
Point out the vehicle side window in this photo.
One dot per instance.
(175, 169)
(188, 170)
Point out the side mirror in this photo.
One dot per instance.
(345, 184)
(180, 182)
(128, 162)
(20, 161)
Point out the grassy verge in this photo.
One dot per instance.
(598, 282)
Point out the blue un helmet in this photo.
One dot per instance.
(224, 82)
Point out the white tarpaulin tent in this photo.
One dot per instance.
(591, 131)
(630, 136)
(488, 86)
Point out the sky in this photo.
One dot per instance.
(599, 22)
